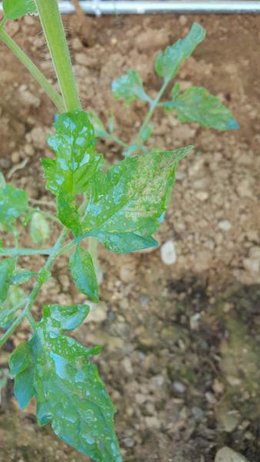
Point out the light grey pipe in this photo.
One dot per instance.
(99, 7)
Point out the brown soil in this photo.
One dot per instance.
(181, 342)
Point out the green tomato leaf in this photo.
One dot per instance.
(130, 200)
(83, 273)
(23, 388)
(76, 159)
(66, 317)
(124, 242)
(168, 61)
(7, 267)
(69, 392)
(39, 228)
(20, 359)
(175, 91)
(13, 203)
(68, 212)
(21, 367)
(129, 87)
(15, 9)
(10, 306)
(21, 277)
(196, 104)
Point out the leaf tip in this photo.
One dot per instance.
(233, 124)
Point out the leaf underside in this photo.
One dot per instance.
(59, 373)
(196, 104)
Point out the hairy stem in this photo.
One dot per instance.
(56, 40)
(33, 69)
(36, 289)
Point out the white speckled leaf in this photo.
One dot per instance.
(69, 392)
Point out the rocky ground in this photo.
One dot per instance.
(180, 325)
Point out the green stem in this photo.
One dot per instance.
(34, 71)
(36, 289)
(150, 113)
(56, 40)
(117, 140)
(14, 252)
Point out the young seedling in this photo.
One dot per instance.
(120, 206)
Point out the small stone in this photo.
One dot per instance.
(27, 98)
(210, 397)
(180, 175)
(82, 58)
(148, 39)
(183, 20)
(202, 184)
(184, 133)
(127, 365)
(244, 188)
(203, 261)
(195, 321)
(15, 157)
(254, 253)
(179, 387)
(129, 442)
(140, 398)
(218, 386)
(228, 455)
(230, 421)
(224, 225)
(158, 380)
(227, 307)
(197, 413)
(38, 137)
(202, 196)
(128, 269)
(168, 253)
(76, 44)
(98, 313)
(152, 422)
(28, 149)
(233, 381)
(251, 265)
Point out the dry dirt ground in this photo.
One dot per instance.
(181, 342)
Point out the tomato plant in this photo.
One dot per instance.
(121, 206)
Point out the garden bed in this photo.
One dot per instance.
(181, 342)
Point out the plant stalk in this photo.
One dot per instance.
(149, 115)
(33, 69)
(16, 252)
(56, 40)
(36, 289)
